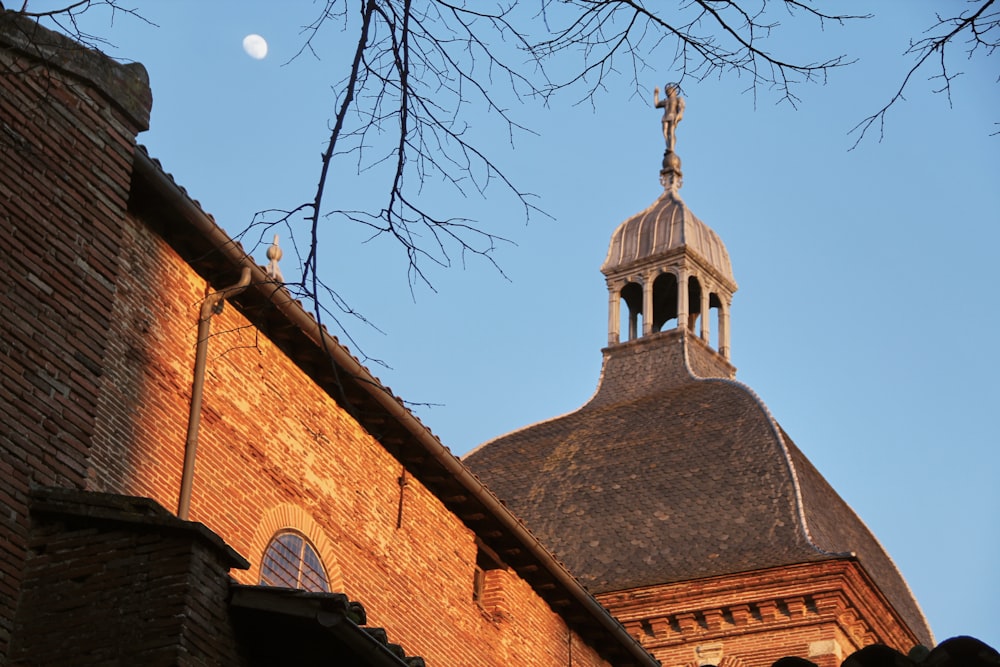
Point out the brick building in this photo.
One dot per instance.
(676, 497)
(147, 364)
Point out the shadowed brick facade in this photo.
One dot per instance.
(106, 264)
(66, 152)
(676, 497)
(118, 580)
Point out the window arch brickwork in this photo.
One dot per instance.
(287, 517)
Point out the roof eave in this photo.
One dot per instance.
(215, 256)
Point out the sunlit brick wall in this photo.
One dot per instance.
(270, 438)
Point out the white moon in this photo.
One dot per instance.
(255, 46)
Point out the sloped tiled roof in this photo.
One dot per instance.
(295, 627)
(664, 477)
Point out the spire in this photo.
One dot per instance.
(665, 268)
(673, 111)
(274, 256)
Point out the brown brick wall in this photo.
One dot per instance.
(271, 439)
(100, 591)
(96, 358)
(65, 164)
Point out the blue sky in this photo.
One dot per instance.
(866, 317)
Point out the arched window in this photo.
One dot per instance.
(290, 561)
(714, 303)
(664, 300)
(631, 294)
(694, 303)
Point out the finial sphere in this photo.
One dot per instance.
(671, 162)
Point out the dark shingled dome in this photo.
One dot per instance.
(664, 477)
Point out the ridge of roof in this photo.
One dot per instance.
(136, 511)
(778, 432)
(280, 287)
(784, 439)
(873, 558)
(339, 622)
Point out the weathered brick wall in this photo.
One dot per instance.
(271, 440)
(122, 585)
(66, 144)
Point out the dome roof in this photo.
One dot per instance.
(665, 477)
(668, 224)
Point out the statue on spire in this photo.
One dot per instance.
(673, 112)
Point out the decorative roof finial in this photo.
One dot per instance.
(274, 255)
(673, 112)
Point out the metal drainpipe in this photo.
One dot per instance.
(212, 305)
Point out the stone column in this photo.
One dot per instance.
(647, 302)
(724, 328)
(705, 314)
(683, 309)
(614, 314)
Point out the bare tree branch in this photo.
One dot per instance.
(415, 67)
(701, 38)
(419, 64)
(980, 29)
(65, 19)
(420, 67)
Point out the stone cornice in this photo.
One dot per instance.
(676, 258)
(830, 592)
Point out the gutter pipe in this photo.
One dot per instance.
(212, 305)
(175, 196)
